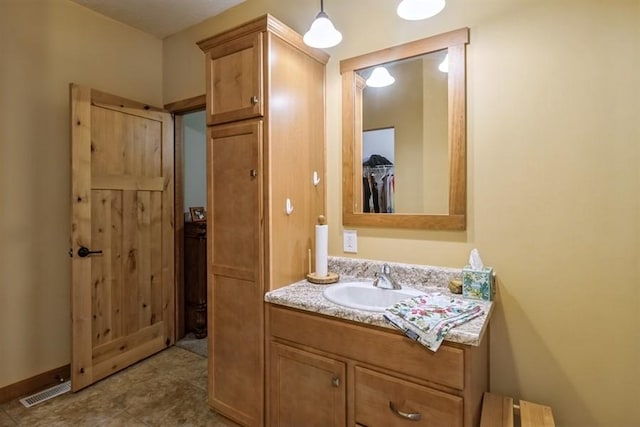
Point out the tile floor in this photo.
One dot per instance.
(167, 389)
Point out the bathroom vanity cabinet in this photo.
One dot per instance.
(265, 188)
(347, 373)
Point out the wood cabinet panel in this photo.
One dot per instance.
(446, 366)
(234, 80)
(235, 280)
(384, 401)
(236, 352)
(235, 194)
(296, 150)
(306, 389)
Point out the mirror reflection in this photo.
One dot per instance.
(404, 137)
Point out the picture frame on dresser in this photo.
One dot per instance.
(198, 214)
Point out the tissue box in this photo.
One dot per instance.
(478, 284)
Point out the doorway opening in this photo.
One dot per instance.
(190, 223)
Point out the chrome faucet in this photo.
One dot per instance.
(384, 279)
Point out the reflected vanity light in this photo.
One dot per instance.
(444, 65)
(415, 10)
(322, 34)
(380, 77)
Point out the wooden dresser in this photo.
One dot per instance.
(195, 278)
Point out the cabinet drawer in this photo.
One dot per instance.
(386, 349)
(376, 393)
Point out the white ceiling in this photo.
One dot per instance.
(160, 18)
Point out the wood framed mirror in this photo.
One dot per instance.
(404, 145)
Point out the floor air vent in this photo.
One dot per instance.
(47, 394)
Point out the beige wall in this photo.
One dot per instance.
(45, 45)
(553, 154)
(554, 200)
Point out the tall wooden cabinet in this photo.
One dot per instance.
(266, 187)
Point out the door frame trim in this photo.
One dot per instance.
(178, 109)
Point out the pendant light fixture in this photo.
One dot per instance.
(322, 33)
(415, 10)
(380, 77)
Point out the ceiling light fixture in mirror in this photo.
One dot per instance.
(380, 77)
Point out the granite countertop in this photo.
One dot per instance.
(307, 296)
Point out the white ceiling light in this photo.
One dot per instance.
(322, 33)
(414, 10)
(380, 77)
(444, 65)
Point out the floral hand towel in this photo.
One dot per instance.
(428, 318)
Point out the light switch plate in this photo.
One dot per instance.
(350, 241)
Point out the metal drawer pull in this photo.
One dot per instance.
(416, 416)
(253, 173)
(335, 381)
(254, 100)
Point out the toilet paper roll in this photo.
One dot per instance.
(322, 243)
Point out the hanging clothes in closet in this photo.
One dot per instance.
(378, 185)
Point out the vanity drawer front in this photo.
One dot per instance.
(384, 348)
(376, 393)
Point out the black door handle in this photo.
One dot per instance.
(83, 252)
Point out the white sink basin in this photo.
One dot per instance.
(364, 296)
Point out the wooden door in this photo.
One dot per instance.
(235, 240)
(122, 205)
(306, 389)
(234, 80)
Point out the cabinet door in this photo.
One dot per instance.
(234, 80)
(236, 355)
(306, 389)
